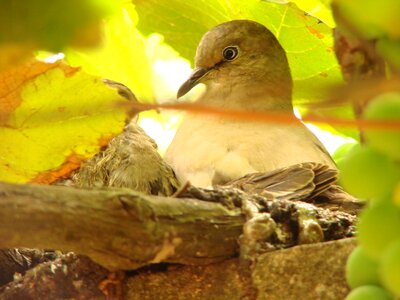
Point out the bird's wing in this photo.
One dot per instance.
(297, 182)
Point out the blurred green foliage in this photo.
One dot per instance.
(373, 20)
(50, 24)
(122, 57)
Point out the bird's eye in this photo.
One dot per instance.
(231, 52)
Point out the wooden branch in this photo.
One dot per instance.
(117, 228)
(122, 230)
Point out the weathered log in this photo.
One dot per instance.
(123, 229)
(117, 228)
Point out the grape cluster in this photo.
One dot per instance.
(372, 172)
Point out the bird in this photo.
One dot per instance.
(130, 160)
(243, 67)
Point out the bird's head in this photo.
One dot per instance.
(241, 52)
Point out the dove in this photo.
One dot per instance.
(243, 67)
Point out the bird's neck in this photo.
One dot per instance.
(249, 97)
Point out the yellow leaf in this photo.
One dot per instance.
(52, 117)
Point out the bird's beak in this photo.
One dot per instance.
(194, 79)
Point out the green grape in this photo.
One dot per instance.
(384, 107)
(361, 269)
(366, 173)
(390, 268)
(378, 226)
(369, 292)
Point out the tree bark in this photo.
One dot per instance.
(117, 228)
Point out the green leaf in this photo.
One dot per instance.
(320, 9)
(122, 57)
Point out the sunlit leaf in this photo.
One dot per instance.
(52, 117)
(318, 8)
(122, 57)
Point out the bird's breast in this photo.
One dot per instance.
(209, 150)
